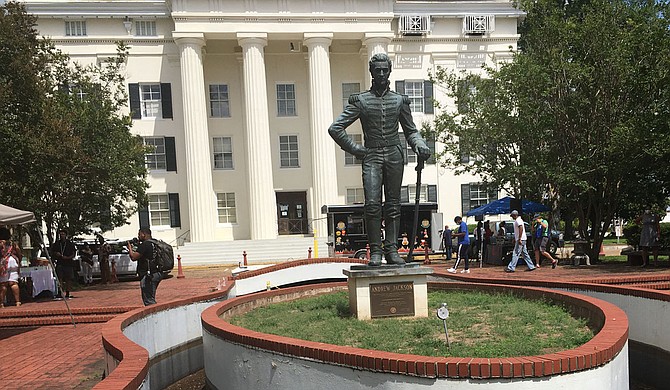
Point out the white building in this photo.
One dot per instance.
(237, 96)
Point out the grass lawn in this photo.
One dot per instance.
(480, 325)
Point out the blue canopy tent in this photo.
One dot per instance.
(502, 206)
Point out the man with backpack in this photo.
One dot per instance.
(147, 269)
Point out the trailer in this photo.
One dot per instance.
(347, 236)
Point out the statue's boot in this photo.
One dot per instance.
(391, 240)
(374, 230)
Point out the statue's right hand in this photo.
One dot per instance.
(359, 151)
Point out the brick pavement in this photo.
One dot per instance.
(63, 357)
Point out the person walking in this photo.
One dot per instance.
(380, 112)
(520, 248)
(479, 240)
(149, 274)
(447, 242)
(463, 246)
(541, 238)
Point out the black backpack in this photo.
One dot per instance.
(163, 256)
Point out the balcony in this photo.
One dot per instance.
(409, 25)
(478, 24)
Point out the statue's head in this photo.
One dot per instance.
(380, 68)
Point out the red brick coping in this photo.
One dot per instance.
(611, 322)
(133, 359)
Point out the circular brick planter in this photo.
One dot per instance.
(240, 358)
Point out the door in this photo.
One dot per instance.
(292, 213)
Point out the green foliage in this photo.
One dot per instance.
(578, 118)
(480, 325)
(71, 157)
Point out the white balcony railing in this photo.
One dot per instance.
(478, 24)
(414, 24)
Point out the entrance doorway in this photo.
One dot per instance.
(292, 213)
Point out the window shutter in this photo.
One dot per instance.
(404, 194)
(166, 100)
(431, 146)
(465, 198)
(432, 193)
(134, 94)
(144, 217)
(175, 216)
(427, 97)
(403, 145)
(400, 86)
(170, 155)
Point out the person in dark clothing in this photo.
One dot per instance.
(447, 242)
(63, 252)
(149, 275)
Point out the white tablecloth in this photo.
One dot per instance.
(42, 279)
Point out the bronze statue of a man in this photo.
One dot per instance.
(380, 110)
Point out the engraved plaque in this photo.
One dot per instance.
(392, 299)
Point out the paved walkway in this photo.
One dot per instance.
(67, 357)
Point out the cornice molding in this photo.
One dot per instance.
(109, 9)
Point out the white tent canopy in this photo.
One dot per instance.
(12, 216)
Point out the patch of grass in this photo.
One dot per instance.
(480, 325)
(615, 259)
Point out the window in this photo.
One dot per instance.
(225, 206)
(288, 151)
(350, 159)
(155, 158)
(420, 93)
(219, 105)
(414, 90)
(162, 155)
(223, 153)
(159, 210)
(79, 92)
(423, 194)
(349, 89)
(145, 28)
(410, 156)
(428, 193)
(150, 100)
(286, 100)
(474, 195)
(355, 196)
(76, 28)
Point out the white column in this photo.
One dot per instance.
(324, 185)
(262, 198)
(375, 43)
(201, 197)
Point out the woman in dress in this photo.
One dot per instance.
(650, 236)
(9, 272)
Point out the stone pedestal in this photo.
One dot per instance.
(388, 291)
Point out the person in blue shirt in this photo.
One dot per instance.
(463, 245)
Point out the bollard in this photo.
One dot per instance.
(309, 252)
(244, 255)
(426, 258)
(367, 252)
(180, 272)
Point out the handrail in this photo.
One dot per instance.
(182, 237)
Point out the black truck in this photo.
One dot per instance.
(347, 236)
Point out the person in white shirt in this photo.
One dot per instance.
(519, 244)
(9, 272)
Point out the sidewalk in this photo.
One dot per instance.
(67, 357)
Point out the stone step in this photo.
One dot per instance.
(19, 312)
(53, 320)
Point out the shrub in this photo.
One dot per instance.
(631, 233)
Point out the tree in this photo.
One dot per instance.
(73, 160)
(579, 117)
